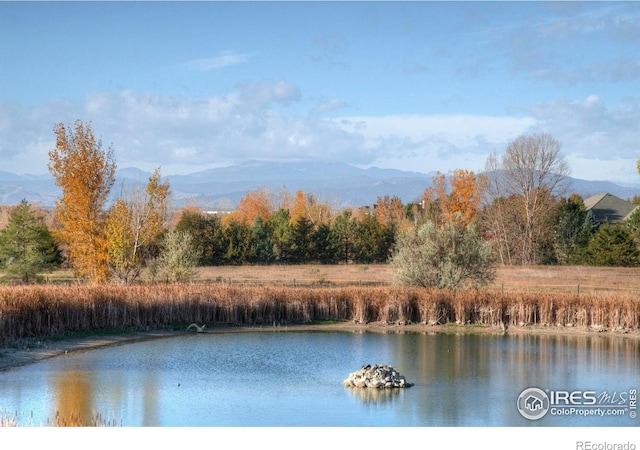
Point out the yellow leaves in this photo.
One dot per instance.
(299, 207)
(390, 213)
(461, 202)
(153, 212)
(119, 239)
(466, 195)
(254, 204)
(133, 225)
(79, 164)
(85, 174)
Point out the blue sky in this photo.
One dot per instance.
(418, 86)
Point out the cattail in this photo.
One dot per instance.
(40, 311)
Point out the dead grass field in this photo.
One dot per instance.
(567, 279)
(562, 279)
(257, 296)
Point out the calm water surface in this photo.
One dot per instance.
(295, 379)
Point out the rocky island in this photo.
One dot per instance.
(380, 376)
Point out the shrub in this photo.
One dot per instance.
(448, 257)
(178, 259)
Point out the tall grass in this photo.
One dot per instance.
(72, 420)
(49, 311)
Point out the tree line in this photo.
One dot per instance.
(519, 211)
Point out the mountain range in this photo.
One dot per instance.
(340, 185)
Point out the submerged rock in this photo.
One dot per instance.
(379, 376)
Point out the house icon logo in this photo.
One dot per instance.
(533, 403)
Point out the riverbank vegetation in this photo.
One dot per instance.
(134, 265)
(15, 419)
(51, 311)
(520, 208)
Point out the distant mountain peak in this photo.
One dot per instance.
(215, 188)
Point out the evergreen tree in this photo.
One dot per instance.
(571, 217)
(261, 242)
(281, 232)
(633, 224)
(326, 245)
(238, 243)
(613, 245)
(372, 242)
(207, 235)
(345, 229)
(26, 246)
(301, 242)
(589, 227)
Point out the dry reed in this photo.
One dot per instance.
(72, 420)
(47, 311)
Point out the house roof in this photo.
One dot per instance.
(609, 208)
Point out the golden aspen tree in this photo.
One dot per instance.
(299, 209)
(283, 200)
(150, 211)
(120, 248)
(305, 204)
(458, 203)
(85, 173)
(467, 190)
(390, 213)
(319, 213)
(134, 226)
(254, 204)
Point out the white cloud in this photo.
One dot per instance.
(590, 128)
(458, 130)
(436, 142)
(591, 42)
(600, 142)
(224, 59)
(327, 106)
(621, 170)
(254, 121)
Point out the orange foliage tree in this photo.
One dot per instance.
(390, 213)
(120, 248)
(85, 173)
(254, 204)
(306, 205)
(299, 209)
(461, 202)
(134, 225)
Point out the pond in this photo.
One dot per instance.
(292, 379)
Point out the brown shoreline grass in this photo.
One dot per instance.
(563, 279)
(28, 312)
(16, 419)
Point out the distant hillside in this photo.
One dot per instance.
(334, 183)
(337, 184)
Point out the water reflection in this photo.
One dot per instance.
(295, 379)
(375, 395)
(74, 395)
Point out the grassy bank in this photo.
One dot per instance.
(50, 311)
(557, 279)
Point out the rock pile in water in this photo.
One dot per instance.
(378, 376)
